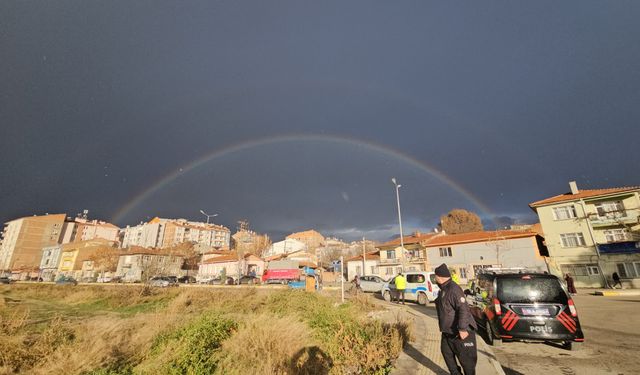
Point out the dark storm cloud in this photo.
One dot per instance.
(100, 100)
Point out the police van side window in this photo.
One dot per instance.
(415, 279)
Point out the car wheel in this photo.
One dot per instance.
(493, 340)
(422, 299)
(573, 346)
(387, 296)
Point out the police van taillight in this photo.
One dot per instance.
(496, 305)
(429, 286)
(572, 308)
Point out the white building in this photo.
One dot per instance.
(367, 265)
(286, 246)
(163, 233)
(466, 253)
(232, 266)
(142, 265)
(50, 262)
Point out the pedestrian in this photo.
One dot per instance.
(458, 341)
(570, 286)
(401, 285)
(356, 283)
(616, 280)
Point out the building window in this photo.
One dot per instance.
(391, 254)
(373, 270)
(388, 271)
(445, 252)
(616, 235)
(572, 240)
(463, 273)
(358, 270)
(398, 269)
(564, 212)
(628, 270)
(610, 210)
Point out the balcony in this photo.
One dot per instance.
(610, 219)
(627, 247)
(390, 261)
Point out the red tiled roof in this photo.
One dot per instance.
(582, 194)
(450, 239)
(232, 257)
(372, 255)
(409, 239)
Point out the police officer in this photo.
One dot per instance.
(456, 324)
(401, 285)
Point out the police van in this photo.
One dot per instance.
(421, 287)
(524, 306)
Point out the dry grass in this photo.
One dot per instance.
(133, 330)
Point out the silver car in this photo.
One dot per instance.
(371, 284)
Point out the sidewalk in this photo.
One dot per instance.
(617, 292)
(422, 355)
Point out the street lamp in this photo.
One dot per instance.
(399, 219)
(207, 215)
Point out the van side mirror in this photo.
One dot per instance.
(467, 292)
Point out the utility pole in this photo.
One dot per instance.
(402, 257)
(342, 276)
(364, 257)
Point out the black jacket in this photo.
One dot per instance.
(453, 312)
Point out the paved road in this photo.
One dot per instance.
(611, 327)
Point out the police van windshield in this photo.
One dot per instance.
(530, 289)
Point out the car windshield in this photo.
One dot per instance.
(530, 289)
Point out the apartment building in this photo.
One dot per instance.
(23, 240)
(285, 246)
(593, 233)
(367, 264)
(80, 229)
(163, 233)
(142, 264)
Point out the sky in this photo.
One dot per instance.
(296, 114)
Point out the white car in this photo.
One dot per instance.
(421, 287)
(371, 283)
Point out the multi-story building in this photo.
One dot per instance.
(81, 229)
(591, 234)
(49, 262)
(163, 233)
(142, 264)
(23, 240)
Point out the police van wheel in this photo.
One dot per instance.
(422, 299)
(573, 346)
(387, 296)
(493, 341)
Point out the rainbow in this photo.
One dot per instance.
(246, 145)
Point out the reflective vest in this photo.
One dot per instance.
(401, 283)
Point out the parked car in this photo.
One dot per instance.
(421, 287)
(103, 279)
(249, 280)
(6, 280)
(187, 280)
(163, 281)
(66, 280)
(524, 306)
(372, 284)
(218, 281)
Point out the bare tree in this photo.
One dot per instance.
(105, 259)
(460, 221)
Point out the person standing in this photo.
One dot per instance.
(570, 286)
(458, 341)
(401, 285)
(616, 280)
(356, 283)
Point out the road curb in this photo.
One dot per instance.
(491, 357)
(617, 293)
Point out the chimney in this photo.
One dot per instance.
(574, 187)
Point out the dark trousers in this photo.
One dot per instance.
(465, 351)
(400, 292)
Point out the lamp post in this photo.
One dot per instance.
(207, 215)
(399, 220)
